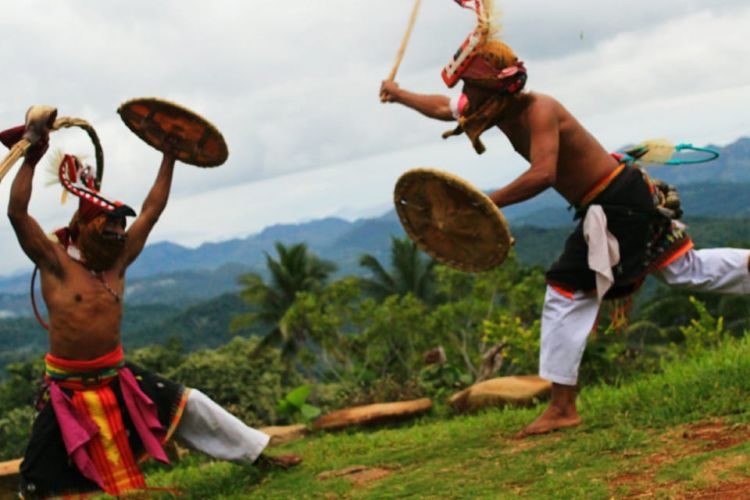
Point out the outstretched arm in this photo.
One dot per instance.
(152, 208)
(31, 237)
(433, 106)
(544, 131)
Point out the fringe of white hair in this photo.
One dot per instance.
(488, 19)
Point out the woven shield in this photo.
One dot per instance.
(451, 220)
(172, 128)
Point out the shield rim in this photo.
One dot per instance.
(164, 103)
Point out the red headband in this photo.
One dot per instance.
(509, 80)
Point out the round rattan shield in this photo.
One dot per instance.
(170, 127)
(451, 220)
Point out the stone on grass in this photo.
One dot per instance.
(9, 478)
(519, 390)
(282, 434)
(357, 474)
(373, 414)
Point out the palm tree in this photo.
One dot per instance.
(412, 272)
(296, 270)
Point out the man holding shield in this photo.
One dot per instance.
(622, 235)
(100, 415)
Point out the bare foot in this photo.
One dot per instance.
(552, 419)
(283, 461)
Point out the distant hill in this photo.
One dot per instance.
(203, 325)
(171, 274)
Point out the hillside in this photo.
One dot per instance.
(539, 226)
(684, 433)
(196, 307)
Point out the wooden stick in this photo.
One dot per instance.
(405, 40)
(404, 43)
(16, 152)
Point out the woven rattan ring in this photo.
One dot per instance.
(451, 220)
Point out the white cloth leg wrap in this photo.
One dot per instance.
(207, 427)
(566, 324)
(718, 270)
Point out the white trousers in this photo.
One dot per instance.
(207, 427)
(567, 322)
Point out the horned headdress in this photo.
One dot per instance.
(484, 62)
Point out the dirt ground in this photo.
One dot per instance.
(680, 444)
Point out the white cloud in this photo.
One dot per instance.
(294, 91)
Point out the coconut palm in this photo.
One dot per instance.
(296, 270)
(411, 272)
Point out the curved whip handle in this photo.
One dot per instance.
(39, 118)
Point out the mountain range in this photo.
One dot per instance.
(171, 274)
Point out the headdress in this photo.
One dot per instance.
(79, 180)
(486, 63)
(467, 52)
(84, 236)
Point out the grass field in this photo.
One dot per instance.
(684, 433)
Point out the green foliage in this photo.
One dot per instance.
(160, 358)
(521, 340)
(411, 272)
(235, 376)
(497, 309)
(440, 380)
(294, 405)
(23, 383)
(16, 406)
(294, 271)
(705, 331)
(15, 427)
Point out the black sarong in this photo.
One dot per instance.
(647, 238)
(46, 469)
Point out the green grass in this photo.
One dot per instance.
(676, 433)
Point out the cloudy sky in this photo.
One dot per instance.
(293, 86)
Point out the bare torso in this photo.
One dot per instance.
(581, 162)
(84, 309)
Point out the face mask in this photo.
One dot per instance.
(100, 247)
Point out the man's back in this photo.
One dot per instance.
(581, 159)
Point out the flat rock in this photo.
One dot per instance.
(282, 434)
(357, 474)
(9, 478)
(518, 390)
(372, 414)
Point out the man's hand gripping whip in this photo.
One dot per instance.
(40, 120)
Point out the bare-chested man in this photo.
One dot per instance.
(614, 200)
(100, 415)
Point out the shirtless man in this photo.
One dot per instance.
(99, 414)
(612, 197)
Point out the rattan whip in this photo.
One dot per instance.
(19, 149)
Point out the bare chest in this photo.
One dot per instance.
(81, 294)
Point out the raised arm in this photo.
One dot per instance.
(31, 237)
(433, 106)
(544, 133)
(152, 208)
